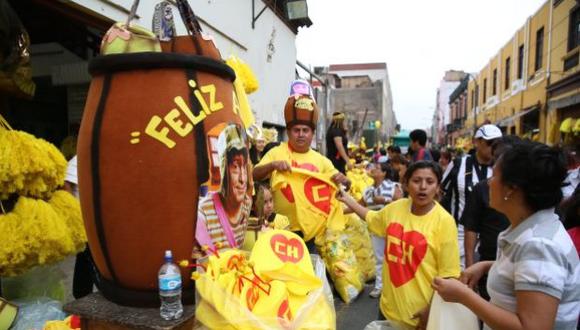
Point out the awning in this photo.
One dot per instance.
(509, 121)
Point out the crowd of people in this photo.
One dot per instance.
(494, 228)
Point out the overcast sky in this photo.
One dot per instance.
(418, 39)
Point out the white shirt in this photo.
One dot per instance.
(72, 176)
(573, 179)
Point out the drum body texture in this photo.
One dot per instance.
(142, 156)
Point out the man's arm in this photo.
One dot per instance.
(263, 172)
(471, 218)
(469, 244)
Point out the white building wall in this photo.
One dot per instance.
(230, 23)
(445, 90)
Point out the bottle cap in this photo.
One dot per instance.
(168, 254)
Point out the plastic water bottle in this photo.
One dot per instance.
(170, 289)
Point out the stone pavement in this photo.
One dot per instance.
(357, 314)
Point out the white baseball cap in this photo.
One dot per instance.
(383, 159)
(488, 132)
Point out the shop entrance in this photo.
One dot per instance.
(63, 40)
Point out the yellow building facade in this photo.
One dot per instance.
(532, 83)
(563, 91)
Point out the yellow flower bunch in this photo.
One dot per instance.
(37, 232)
(30, 166)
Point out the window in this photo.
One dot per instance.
(507, 73)
(476, 95)
(571, 60)
(520, 61)
(484, 90)
(539, 48)
(494, 82)
(574, 29)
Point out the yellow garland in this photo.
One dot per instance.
(245, 73)
(37, 232)
(244, 105)
(30, 166)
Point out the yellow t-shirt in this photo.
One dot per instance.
(417, 249)
(311, 160)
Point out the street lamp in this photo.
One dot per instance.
(297, 9)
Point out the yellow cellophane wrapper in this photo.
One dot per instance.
(336, 250)
(239, 290)
(361, 244)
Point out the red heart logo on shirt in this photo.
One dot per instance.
(403, 253)
(319, 193)
(287, 192)
(305, 166)
(287, 250)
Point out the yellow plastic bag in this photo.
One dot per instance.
(234, 291)
(361, 244)
(341, 262)
(360, 181)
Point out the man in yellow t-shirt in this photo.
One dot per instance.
(301, 115)
(417, 249)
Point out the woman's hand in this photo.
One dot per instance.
(474, 273)
(345, 197)
(423, 316)
(451, 290)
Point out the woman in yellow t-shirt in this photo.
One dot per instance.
(420, 244)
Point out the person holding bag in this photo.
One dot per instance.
(535, 281)
(420, 244)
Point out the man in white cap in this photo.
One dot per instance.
(467, 172)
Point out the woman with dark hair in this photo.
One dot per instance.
(420, 244)
(337, 142)
(535, 281)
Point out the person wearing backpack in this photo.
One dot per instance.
(466, 172)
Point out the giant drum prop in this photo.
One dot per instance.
(142, 155)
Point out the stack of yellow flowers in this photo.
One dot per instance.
(42, 224)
